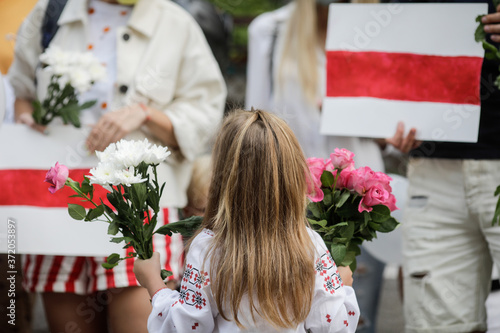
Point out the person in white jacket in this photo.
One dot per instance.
(254, 265)
(164, 84)
(286, 75)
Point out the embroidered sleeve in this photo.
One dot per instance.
(188, 310)
(334, 307)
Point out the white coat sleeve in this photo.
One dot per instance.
(334, 307)
(191, 309)
(26, 53)
(200, 94)
(258, 85)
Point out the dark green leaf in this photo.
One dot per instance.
(343, 199)
(338, 252)
(380, 213)
(349, 257)
(313, 207)
(185, 227)
(389, 225)
(88, 104)
(76, 211)
(113, 228)
(375, 226)
(165, 274)
(86, 186)
(328, 198)
(327, 179)
(497, 191)
(479, 34)
(94, 213)
(113, 258)
(348, 231)
(315, 222)
(106, 265)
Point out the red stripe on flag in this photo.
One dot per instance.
(27, 187)
(403, 76)
(132, 281)
(54, 271)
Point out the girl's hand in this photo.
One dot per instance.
(147, 272)
(345, 275)
(114, 126)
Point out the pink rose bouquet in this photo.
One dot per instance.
(348, 205)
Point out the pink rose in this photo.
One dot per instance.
(361, 180)
(375, 195)
(316, 167)
(344, 179)
(57, 176)
(342, 159)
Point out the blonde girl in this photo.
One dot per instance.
(254, 265)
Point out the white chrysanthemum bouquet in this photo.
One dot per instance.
(127, 170)
(72, 73)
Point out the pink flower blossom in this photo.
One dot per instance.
(316, 168)
(342, 159)
(361, 180)
(56, 176)
(375, 195)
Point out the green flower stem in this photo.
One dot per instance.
(69, 182)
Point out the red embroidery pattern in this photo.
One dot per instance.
(351, 313)
(208, 232)
(320, 267)
(346, 323)
(195, 326)
(183, 294)
(201, 279)
(187, 273)
(328, 318)
(198, 300)
(160, 314)
(329, 286)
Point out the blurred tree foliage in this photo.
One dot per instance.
(242, 13)
(248, 8)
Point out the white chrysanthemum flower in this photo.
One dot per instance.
(97, 72)
(131, 153)
(126, 177)
(55, 56)
(108, 155)
(104, 174)
(156, 154)
(80, 80)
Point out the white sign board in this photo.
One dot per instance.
(42, 223)
(415, 63)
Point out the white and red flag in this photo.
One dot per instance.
(416, 63)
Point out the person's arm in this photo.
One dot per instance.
(400, 141)
(178, 311)
(334, 307)
(26, 58)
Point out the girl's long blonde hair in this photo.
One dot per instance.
(300, 48)
(256, 208)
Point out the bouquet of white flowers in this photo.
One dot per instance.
(127, 170)
(73, 73)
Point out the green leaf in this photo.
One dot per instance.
(117, 240)
(165, 274)
(94, 213)
(86, 186)
(76, 211)
(343, 199)
(389, 225)
(138, 195)
(338, 252)
(313, 207)
(375, 226)
(327, 179)
(113, 228)
(184, 227)
(497, 191)
(320, 223)
(38, 112)
(479, 34)
(349, 257)
(106, 265)
(87, 105)
(353, 247)
(380, 213)
(348, 231)
(328, 198)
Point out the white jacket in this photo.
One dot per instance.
(289, 101)
(163, 60)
